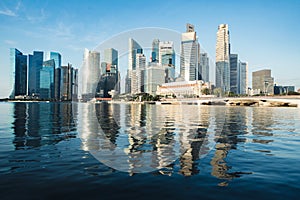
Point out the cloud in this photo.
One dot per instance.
(10, 42)
(8, 12)
(37, 18)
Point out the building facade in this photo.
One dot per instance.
(90, 74)
(243, 78)
(223, 58)
(137, 80)
(263, 82)
(18, 63)
(189, 55)
(47, 80)
(34, 68)
(166, 53)
(155, 50)
(234, 74)
(204, 67)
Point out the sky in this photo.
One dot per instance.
(263, 33)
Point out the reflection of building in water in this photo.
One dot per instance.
(230, 131)
(36, 123)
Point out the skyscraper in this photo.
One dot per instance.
(109, 80)
(243, 80)
(204, 67)
(57, 58)
(263, 82)
(137, 82)
(155, 51)
(35, 66)
(47, 80)
(69, 83)
(134, 48)
(18, 63)
(166, 53)
(189, 54)
(234, 74)
(90, 73)
(222, 58)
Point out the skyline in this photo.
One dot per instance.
(254, 32)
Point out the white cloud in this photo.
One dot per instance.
(8, 12)
(10, 42)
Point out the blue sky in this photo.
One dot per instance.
(263, 33)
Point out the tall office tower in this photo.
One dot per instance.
(90, 74)
(57, 82)
(137, 82)
(166, 53)
(34, 68)
(204, 67)
(243, 80)
(154, 75)
(18, 63)
(111, 59)
(47, 80)
(234, 74)
(134, 48)
(263, 82)
(190, 28)
(69, 83)
(189, 55)
(155, 51)
(55, 56)
(222, 58)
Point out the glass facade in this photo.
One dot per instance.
(57, 58)
(18, 62)
(47, 80)
(35, 66)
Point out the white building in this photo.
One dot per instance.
(166, 53)
(137, 80)
(154, 75)
(90, 72)
(182, 89)
(222, 58)
(189, 55)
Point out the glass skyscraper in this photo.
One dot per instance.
(234, 74)
(57, 58)
(204, 67)
(18, 63)
(155, 50)
(35, 66)
(47, 80)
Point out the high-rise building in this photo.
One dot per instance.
(166, 53)
(18, 63)
(234, 74)
(134, 49)
(189, 54)
(155, 51)
(223, 58)
(34, 68)
(47, 80)
(243, 78)
(137, 82)
(263, 82)
(57, 82)
(69, 83)
(90, 73)
(109, 81)
(204, 67)
(154, 75)
(56, 57)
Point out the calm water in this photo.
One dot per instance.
(98, 151)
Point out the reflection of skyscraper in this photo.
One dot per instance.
(18, 63)
(189, 54)
(222, 58)
(35, 66)
(90, 73)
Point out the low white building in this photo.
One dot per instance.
(182, 88)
